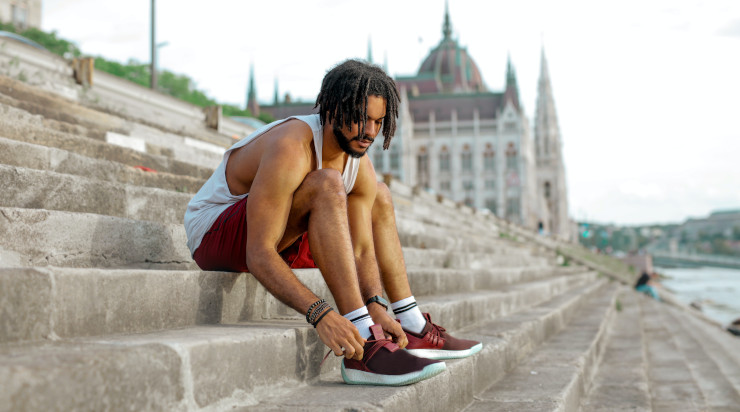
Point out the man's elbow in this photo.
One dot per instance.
(258, 256)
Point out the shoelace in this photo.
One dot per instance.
(436, 334)
(367, 340)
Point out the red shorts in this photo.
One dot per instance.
(224, 246)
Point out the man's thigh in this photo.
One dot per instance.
(224, 246)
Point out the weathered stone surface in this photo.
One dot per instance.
(45, 237)
(26, 299)
(80, 376)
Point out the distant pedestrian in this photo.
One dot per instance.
(646, 285)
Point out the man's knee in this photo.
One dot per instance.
(325, 184)
(383, 199)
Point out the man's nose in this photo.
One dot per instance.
(371, 129)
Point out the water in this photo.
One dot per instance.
(717, 289)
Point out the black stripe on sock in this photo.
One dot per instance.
(404, 308)
(359, 318)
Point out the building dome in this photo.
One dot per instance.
(452, 68)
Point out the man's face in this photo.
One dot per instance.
(357, 143)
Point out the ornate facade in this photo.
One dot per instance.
(459, 139)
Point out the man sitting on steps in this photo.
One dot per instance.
(307, 177)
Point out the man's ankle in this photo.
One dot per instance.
(407, 311)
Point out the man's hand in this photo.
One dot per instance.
(338, 333)
(390, 326)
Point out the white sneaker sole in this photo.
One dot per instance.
(356, 377)
(445, 354)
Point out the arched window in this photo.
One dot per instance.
(422, 167)
(511, 157)
(467, 159)
(489, 159)
(444, 160)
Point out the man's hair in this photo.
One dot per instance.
(344, 92)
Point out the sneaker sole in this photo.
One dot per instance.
(356, 377)
(439, 354)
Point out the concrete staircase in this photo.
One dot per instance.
(102, 307)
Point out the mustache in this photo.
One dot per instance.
(365, 137)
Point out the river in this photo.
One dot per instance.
(717, 289)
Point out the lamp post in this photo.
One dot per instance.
(153, 68)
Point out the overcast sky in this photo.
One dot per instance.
(647, 92)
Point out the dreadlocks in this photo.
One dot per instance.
(344, 92)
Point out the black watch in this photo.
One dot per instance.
(379, 300)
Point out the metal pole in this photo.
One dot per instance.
(153, 68)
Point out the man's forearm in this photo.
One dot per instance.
(272, 272)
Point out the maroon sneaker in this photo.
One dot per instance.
(434, 343)
(384, 364)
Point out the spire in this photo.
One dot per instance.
(252, 104)
(369, 49)
(512, 90)
(447, 27)
(276, 97)
(546, 130)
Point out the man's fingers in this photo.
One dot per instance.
(338, 351)
(358, 350)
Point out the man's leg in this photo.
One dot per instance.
(425, 338)
(320, 205)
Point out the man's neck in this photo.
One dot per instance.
(332, 155)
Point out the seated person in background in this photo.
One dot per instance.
(646, 285)
(307, 178)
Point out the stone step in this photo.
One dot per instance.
(717, 343)
(34, 237)
(506, 341)
(58, 113)
(435, 258)
(429, 281)
(451, 219)
(37, 237)
(413, 231)
(672, 385)
(19, 125)
(91, 119)
(226, 366)
(558, 374)
(52, 302)
(38, 189)
(721, 390)
(621, 382)
(32, 156)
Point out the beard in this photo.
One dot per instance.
(344, 142)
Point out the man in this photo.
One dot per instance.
(307, 177)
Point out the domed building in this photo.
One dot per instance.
(457, 138)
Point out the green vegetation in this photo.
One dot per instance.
(176, 85)
(619, 305)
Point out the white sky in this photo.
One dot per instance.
(647, 92)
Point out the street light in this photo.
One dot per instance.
(153, 68)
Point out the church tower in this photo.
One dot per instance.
(552, 190)
(252, 104)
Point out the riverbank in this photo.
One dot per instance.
(716, 290)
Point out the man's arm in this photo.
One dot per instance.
(283, 167)
(360, 206)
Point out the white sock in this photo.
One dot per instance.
(362, 321)
(409, 314)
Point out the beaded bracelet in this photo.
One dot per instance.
(318, 302)
(316, 312)
(322, 316)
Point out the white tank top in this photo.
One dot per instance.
(214, 197)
